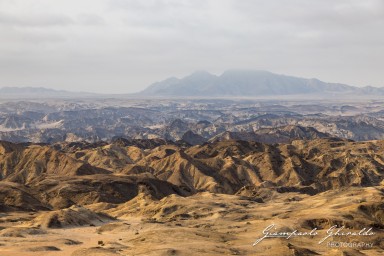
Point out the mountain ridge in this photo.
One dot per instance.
(231, 83)
(39, 92)
(249, 83)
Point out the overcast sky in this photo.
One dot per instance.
(121, 46)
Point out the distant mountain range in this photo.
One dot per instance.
(249, 83)
(38, 92)
(232, 83)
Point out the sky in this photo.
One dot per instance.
(122, 46)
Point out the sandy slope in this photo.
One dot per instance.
(203, 224)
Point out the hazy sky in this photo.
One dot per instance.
(124, 45)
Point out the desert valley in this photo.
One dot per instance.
(191, 128)
(169, 176)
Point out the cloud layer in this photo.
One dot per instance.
(121, 46)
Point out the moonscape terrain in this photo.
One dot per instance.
(152, 197)
(107, 176)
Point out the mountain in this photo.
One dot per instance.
(239, 83)
(39, 92)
